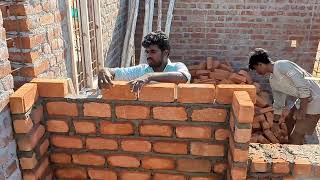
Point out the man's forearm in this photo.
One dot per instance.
(303, 105)
(169, 77)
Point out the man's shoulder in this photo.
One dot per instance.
(282, 63)
(177, 64)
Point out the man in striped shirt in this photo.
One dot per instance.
(159, 67)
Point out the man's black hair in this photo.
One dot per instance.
(157, 38)
(257, 56)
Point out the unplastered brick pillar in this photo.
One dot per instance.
(9, 167)
(30, 132)
(240, 127)
(37, 40)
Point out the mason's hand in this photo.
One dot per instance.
(138, 83)
(104, 79)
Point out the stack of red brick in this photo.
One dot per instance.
(214, 72)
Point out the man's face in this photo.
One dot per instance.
(261, 68)
(155, 56)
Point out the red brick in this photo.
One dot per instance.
(209, 114)
(88, 159)
(260, 102)
(236, 78)
(170, 113)
(202, 72)
(29, 141)
(96, 109)
(243, 107)
(60, 158)
(123, 161)
(59, 108)
(193, 165)
(66, 141)
(43, 148)
(102, 174)
(247, 75)
(37, 114)
(171, 147)
(242, 135)
(238, 155)
(28, 162)
(131, 175)
(259, 165)
(196, 93)
(101, 144)
(47, 19)
(23, 99)
(57, 125)
(280, 166)
(28, 57)
(30, 41)
(238, 173)
(136, 145)
(221, 134)
(5, 69)
(116, 128)
(159, 176)
(71, 173)
(120, 91)
(51, 87)
(156, 130)
(302, 166)
(34, 70)
(204, 178)
(220, 168)
(157, 163)
(159, 92)
(224, 92)
(39, 172)
(22, 125)
(22, 9)
(85, 127)
(133, 112)
(193, 132)
(220, 74)
(205, 149)
(25, 25)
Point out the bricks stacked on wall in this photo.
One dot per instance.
(157, 136)
(28, 121)
(8, 160)
(241, 119)
(37, 39)
(285, 162)
(215, 72)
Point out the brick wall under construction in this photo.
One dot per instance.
(177, 134)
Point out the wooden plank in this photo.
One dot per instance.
(72, 48)
(86, 42)
(97, 15)
(159, 15)
(147, 27)
(127, 56)
(169, 17)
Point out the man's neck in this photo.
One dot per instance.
(162, 67)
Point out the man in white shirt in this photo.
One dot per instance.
(159, 67)
(287, 79)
